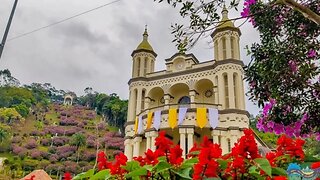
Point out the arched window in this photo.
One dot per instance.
(236, 90)
(216, 49)
(224, 48)
(185, 100)
(232, 47)
(226, 90)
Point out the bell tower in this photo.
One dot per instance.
(143, 58)
(229, 78)
(226, 39)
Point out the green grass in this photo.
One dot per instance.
(113, 128)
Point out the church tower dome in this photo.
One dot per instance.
(226, 39)
(143, 57)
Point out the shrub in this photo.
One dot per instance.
(53, 158)
(31, 144)
(45, 142)
(36, 154)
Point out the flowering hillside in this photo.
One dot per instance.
(59, 139)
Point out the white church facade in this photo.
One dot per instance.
(189, 99)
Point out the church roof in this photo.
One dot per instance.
(145, 45)
(225, 21)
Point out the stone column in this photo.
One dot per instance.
(234, 137)
(228, 46)
(237, 48)
(136, 147)
(166, 101)
(220, 50)
(224, 142)
(242, 94)
(231, 91)
(153, 135)
(221, 91)
(130, 107)
(139, 96)
(190, 132)
(192, 95)
(128, 148)
(148, 140)
(215, 136)
(142, 66)
(182, 132)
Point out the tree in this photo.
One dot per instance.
(9, 114)
(6, 79)
(284, 73)
(78, 140)
(3, 135)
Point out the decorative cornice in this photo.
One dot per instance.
(143, 50)
(188, 71)
(235, 111)
(216, 31)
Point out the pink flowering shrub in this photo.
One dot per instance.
(31, 144)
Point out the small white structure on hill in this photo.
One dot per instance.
(68, 99)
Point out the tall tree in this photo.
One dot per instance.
(79, 140)
(3, 135)
(6, 79)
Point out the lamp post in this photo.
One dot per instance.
(3, 42)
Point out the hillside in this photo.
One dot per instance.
(57, 138)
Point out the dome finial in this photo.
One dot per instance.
(224, 12)
(145, 34)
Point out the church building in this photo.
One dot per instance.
(189, 99)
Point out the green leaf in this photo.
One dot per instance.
(189, 163)
(184, 173)
(264, 165)
(278, 171)
(101, 175)
(131, 165)
(78, 176)
(148, 167)
(84, 175)
(223, 164)
(162, 166)
(136, 173)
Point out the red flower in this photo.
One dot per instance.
(67, 176)
(116, 169)
(140, 159)
(162, 143)
(271, 156)
(315, 165)
(151, 157)
(102, 161)
(289, 146)
(175, 155)
(192, 152)
(207, 165)
(247, 146)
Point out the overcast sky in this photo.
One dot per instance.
(93, 50)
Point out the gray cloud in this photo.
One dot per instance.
(94, 49)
